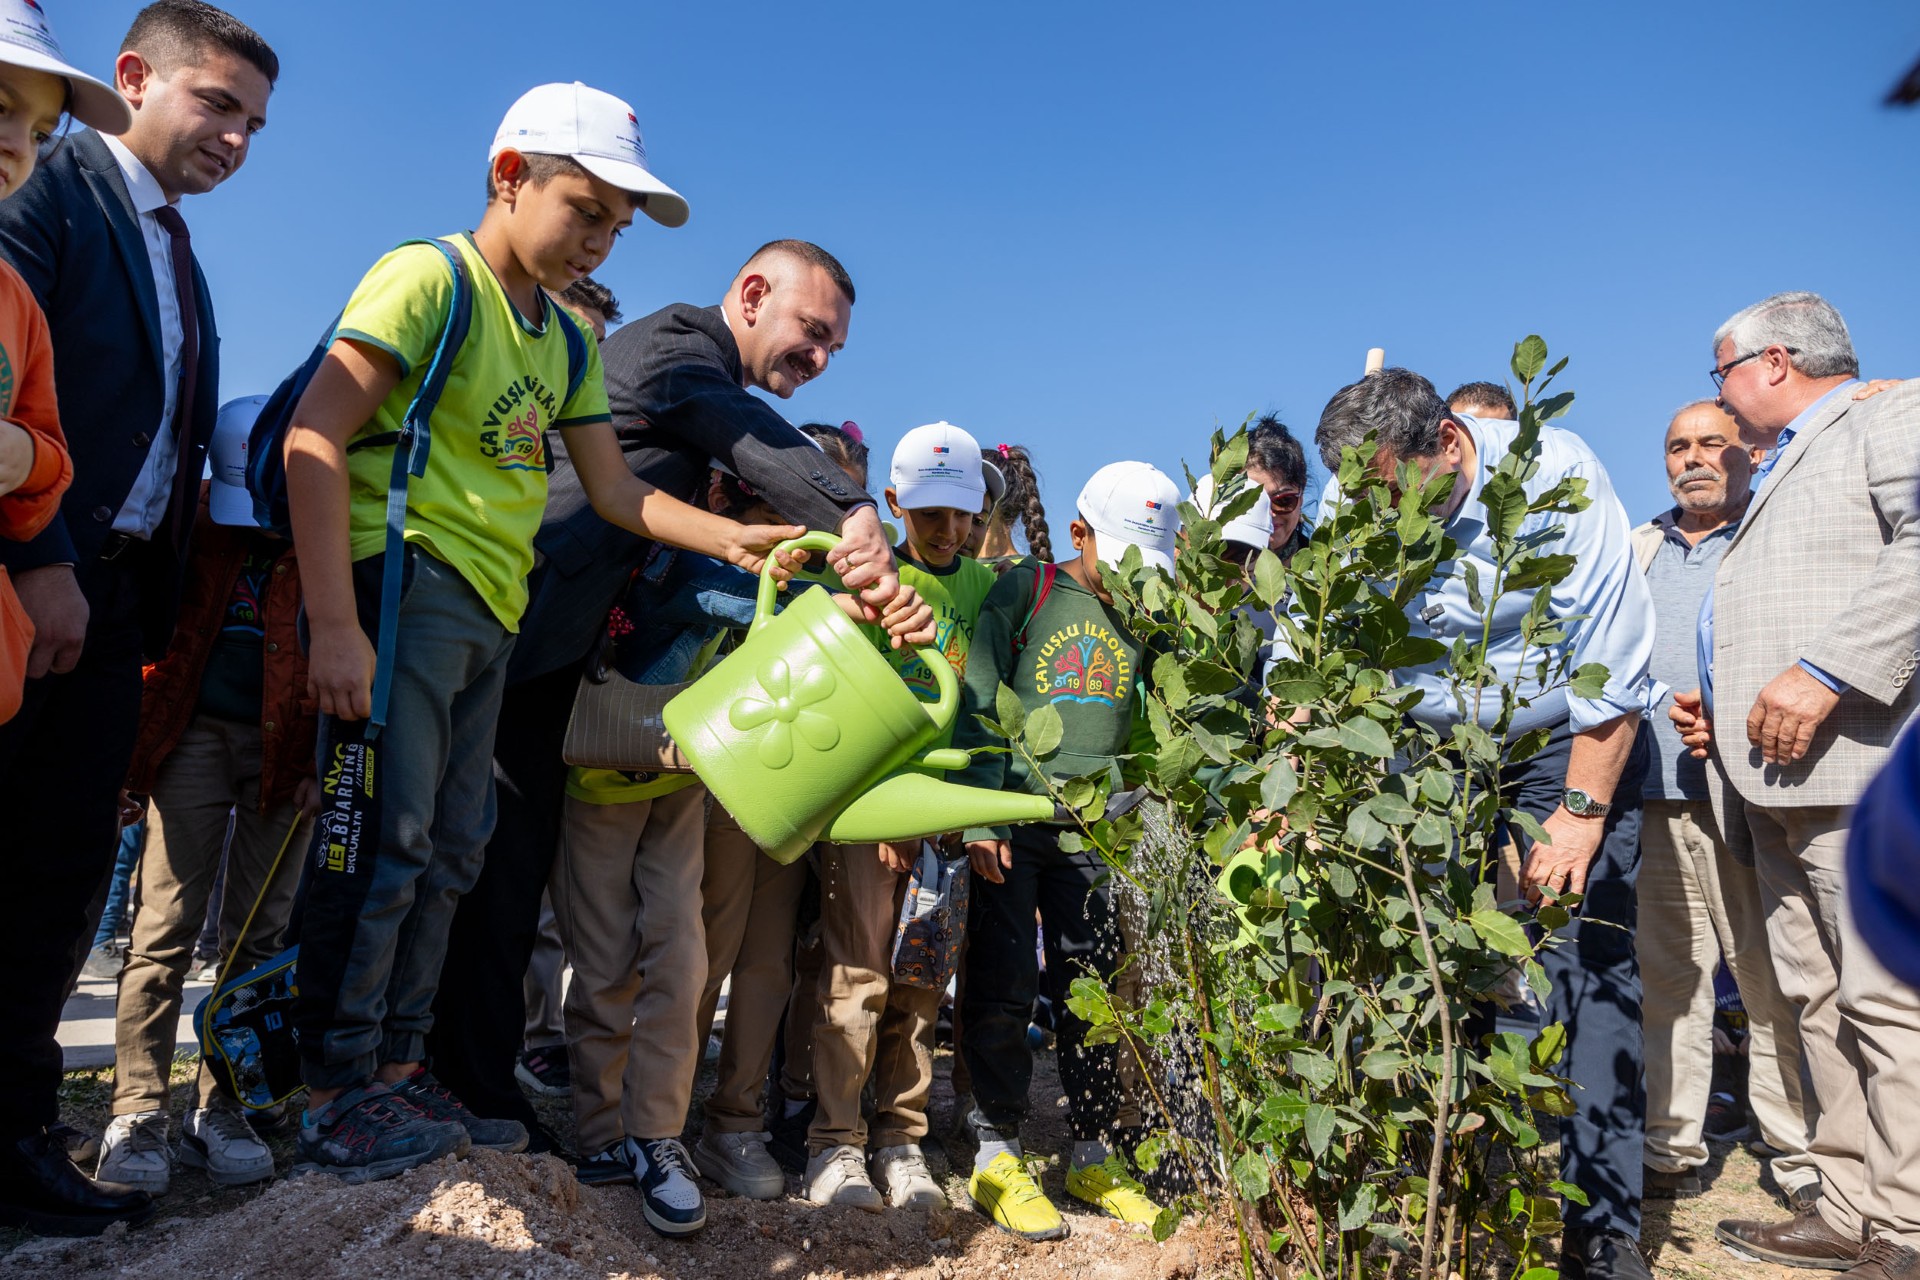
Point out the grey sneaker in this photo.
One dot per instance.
(838, 1176)
(901, 1174)
(372, 1132)
(104, 961)
(740, 1163)
(219, 1140)
(433, 1098)
(135, 1153)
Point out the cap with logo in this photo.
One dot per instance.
(939, 465)
(228, 501)
(1133, 504)
(1252, 527)
(597, 130)
(27, 41)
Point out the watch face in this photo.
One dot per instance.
(1577, 802)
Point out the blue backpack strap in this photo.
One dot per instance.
(410, 459)
(576, 350)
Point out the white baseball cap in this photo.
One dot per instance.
(939, 465)
(1133, 504)
(1252, 527)
(596, 129)
(228, 501)
(27, 41)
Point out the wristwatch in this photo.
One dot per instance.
(1581, 805)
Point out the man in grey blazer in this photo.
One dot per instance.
(1810, 640)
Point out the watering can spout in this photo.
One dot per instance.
(908, 805)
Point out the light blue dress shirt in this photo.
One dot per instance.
(1760, 474)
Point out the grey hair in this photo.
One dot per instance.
(1806, 322)
(1708, 403)
(1398, 408)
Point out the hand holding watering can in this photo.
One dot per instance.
(807, 729)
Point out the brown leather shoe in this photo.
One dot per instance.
(1883, 1259)
(1804, 1241)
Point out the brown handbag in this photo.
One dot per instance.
(616, 725)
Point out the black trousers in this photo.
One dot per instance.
(1003, 979)
(480, 1012)
(63, 760)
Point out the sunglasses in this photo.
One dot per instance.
(1285, 503)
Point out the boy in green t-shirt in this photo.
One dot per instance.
(869, 1024)
(405, 816)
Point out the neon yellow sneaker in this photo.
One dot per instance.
(1007, 1193)
(1122, 1197)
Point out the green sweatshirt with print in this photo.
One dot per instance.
(1077, 658)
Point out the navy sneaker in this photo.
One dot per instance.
(545, 1070)
(669, 1196)
(608, 1167)
(432, 1097)
(370, 1133)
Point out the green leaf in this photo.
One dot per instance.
(1548, 1046)
(1538, 571)
(1392, 810)
(1385, 1064)
(1013, 716)
(1501, 932)
(1505, 499)
(1590, 681)
(1319, 1127)
(1358, 1205)
(1176, 762)
(1166, 1224)
(1341, 880)
(1365, 736)
(1278, 784)
(1269, 579)
(1044, 731)
(1250, 1175)
(1277, 1017)
(1570, 1191)
(1315, 1068)
(1529, 357)
(1285, 1111)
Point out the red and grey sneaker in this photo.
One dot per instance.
(545, 1071)
(370, 1133)
(434, 1098)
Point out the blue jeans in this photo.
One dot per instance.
(1596, 994)
(403, 821)
(131, 840)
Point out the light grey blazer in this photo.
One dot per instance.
(1826, 567)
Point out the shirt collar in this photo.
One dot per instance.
(1668, 523)
(1805, 416)
(142, 186)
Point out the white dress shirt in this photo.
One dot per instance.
(146, 504)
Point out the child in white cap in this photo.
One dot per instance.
(1050, 634)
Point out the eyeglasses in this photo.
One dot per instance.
(1719, 375)
(1284, 503)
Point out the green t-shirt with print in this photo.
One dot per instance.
(479, 504)
(955, 595)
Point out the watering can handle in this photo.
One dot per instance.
(942, 712)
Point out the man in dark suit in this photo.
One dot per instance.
(97, 236)
(677, 381)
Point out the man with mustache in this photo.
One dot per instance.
(1699, 897)
(678, 383)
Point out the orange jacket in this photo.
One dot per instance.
(289, 718)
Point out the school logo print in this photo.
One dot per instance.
(1085, 663)
(954, 639)
(511, 434)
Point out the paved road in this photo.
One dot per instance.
(86, 1024)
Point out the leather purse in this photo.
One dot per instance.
(616, 725)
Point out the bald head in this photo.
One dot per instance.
(1709, 470)
(789, 309)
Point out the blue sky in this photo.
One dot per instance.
(1100, 230)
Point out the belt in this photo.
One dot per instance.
(117, 545)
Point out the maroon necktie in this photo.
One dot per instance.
(186, 476)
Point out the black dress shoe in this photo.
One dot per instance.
(1804, 1240)
(41, 1190)
(1601, 1255)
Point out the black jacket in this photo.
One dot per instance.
(72, 234)
(673, 380)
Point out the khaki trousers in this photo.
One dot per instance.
(210, 781)
(748, 913)
(868, 1024)
(626, 895)
(1859, 1026)
(1698, 905)
(545, 984)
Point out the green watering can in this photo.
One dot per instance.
(806, 732)
(1252, 881)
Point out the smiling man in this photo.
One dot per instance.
(97, 234)
(678, 384)
(1699, 898)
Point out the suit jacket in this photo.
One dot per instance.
(73, 235)
(1826, 567)
(674, 384)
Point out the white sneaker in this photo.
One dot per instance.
(134, 1152)
(740, 1163)
(901, 1173)
(219, 1140)
(838, 1176)
(669, 1197)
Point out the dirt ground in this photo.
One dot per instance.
(510, 1216)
